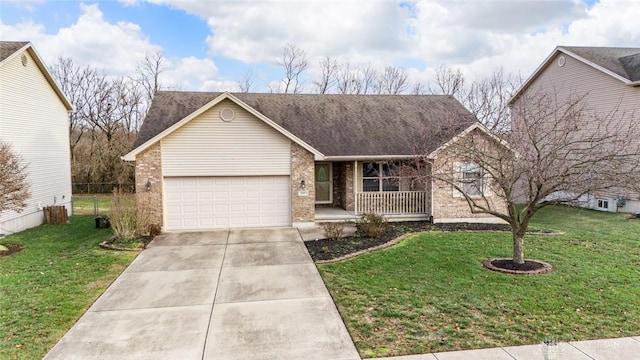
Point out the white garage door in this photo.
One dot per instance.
(220, 202)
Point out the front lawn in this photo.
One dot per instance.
(51, 282)
(430, 293)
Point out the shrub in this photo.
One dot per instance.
(371, 224)
(123, 216)
(144, 225)
(333, 231)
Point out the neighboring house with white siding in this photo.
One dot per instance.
(218, 160)
(608, 79)
(34, 120)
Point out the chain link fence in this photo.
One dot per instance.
(100, 188)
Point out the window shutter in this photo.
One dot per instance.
(486, 189)
(457, 178)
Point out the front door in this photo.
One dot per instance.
(323, 183)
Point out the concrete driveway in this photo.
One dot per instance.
(239, 294)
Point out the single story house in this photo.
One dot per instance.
(218, 160)
(34, 121)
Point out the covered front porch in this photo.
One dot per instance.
(347, 189)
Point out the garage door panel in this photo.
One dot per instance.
(214, 202)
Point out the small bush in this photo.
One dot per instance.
(123, 216)
(333, 231)
(371, 224)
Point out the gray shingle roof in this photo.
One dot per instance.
(335, 125)
(7, 48)
(621, 61)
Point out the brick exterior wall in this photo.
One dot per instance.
(302, 168)
(349, 191)
(149, 203)
(447, 203)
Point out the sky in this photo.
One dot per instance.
(209, 45)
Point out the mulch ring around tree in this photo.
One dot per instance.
(506, 265)
(137, 244)
(8, 249)
(326, 250)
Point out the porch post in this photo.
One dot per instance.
(355, 187)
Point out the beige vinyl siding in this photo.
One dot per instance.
(604, 94)
(34, 121)
(209, 146)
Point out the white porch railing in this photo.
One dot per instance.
(391, 202)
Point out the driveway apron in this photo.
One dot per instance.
(232, 294)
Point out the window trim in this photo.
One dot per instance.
(330, 181)
(382, 177)
(602, 204)
(459, 171)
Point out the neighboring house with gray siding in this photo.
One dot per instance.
(211, 160)
(34, 120)
(609, 80)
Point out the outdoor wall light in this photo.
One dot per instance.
(303, 184)
(148, 185)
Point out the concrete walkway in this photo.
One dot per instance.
(239, 294)
(627, 348)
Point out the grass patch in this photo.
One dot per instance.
(48, 285)
(84, 204)
(431, 294)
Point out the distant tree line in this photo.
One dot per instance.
(108, 111)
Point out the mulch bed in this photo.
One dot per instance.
(112, 244)
(325, 249)
(13, 248)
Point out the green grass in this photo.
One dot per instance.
(430, 294)
(84, 204)
(48, 285)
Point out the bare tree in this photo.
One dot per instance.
(149, 71)
(547, 158)
(294, 62)
(419, 88)
(108, 112)
(488, 99)
(362, 79)
(247, 81)
(393, 80)
(14, 188)
(74, 80)
(347, 81)
(328, 75)
(448, 81)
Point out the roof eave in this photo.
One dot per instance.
(131, 156)
(561, 49)
(465, 132)
(369, 157)
(45, 71)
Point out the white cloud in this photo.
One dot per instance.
(195, 74)
(116, 48)
(256, 31)
(477, 36)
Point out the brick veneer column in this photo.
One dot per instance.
(149, 169)
(302, 168)
(349, 196)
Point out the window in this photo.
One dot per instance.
(389, 177)
(603, 204)
(324, 191)
(471, 179)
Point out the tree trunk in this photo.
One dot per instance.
(518, 249)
